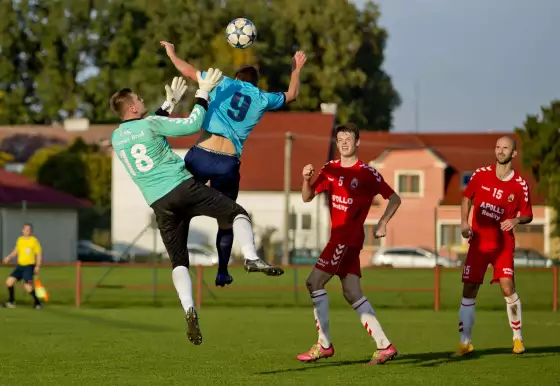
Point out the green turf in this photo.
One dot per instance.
(387, 288)
(256, 346)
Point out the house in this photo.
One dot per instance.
(54, 216)
(430, 172)
(261, 186)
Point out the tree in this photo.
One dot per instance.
(540, 137)
(66, 58)
(67, 172)
(37, 160)
(78, 169)
(23, 146)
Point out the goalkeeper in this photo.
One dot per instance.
(169, 188)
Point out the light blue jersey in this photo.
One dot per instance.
(236, 107)
(141, 146)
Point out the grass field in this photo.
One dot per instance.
(256, 346)
(124, 335)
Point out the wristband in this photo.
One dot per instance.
(201, 94)
(166, 105)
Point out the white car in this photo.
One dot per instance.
(410, 257)
(200, 255)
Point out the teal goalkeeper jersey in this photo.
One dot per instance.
(142, 148)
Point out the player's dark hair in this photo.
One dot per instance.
(249, 74)
(119, 99)
(348, 128)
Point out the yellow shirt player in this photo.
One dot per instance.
(28, 252)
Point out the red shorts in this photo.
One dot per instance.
(477, 261)
(339, 259)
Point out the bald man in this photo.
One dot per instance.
(500, 200)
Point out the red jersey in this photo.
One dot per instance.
(351, 191)
(494, 201)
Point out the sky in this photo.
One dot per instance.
(476, 65)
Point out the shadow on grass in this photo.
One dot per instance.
(428, 359)
(96, 319)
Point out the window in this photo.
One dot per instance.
(293, 221)
(450, 235)
(409, 183)
(465, 178)
(306, 221)
(371, 241)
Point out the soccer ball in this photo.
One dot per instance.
(241, 33)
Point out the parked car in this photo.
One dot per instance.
(411, 257)
(90, 252)
(527, 257)
(200, 255)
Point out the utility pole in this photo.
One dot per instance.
(287, 192)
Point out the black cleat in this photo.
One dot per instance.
(223, 279)
(193, 330)
(260, 265)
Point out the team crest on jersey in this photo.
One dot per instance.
(354, 183)
(511, 197)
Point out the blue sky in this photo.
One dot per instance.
(479, 65)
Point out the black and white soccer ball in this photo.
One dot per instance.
(241, 33)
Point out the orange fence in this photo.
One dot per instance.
(121, 285)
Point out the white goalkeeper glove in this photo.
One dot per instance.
(174, 93)
(212, 79)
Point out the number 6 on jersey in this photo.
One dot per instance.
(143, 162)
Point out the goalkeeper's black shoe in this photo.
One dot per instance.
(260, 265)
(193, 329)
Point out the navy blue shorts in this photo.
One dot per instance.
(23, 272)
(221, 169)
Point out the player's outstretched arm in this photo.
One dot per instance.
(298, 61)
(173, 95)
(182, 66)
(176, 127)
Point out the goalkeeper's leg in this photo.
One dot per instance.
(174, 230)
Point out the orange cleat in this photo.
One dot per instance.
(382, 356)
(316, 352)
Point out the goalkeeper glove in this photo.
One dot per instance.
(174, 93)
(212, 79)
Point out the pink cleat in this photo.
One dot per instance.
(382, 356)
(316, 352)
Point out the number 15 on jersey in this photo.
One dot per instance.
(142, 162)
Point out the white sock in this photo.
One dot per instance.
(466, 319)
(367, 316)
(183, 286)
(514, 314)
(321, 311)
(243, 232)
